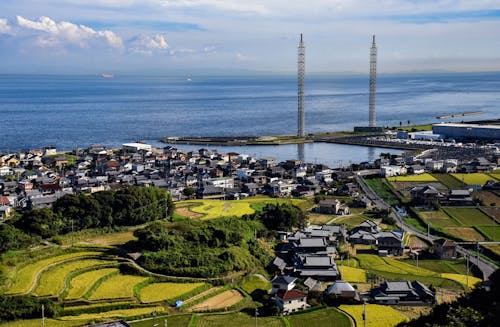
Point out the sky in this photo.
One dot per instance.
(237, 36)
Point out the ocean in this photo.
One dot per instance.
(77, 111)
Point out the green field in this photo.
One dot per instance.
(51, 281)
(236, 319)
(48, 323)
(116, 314)
(210, 209)
(117, 287)
(321, 318)
(382, 188)
(449, 181)
(172, 321)
(253, 283)
(441, 266)
(25, 276)
(473, 178)
(413, 178)
(470, 216)
(376, 315)
(157, 292)
(80, 284)
(492, 232)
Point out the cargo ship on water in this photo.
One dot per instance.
(107, 75)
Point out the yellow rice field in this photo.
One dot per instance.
(123, 313)
(25, 277)
(82, 283)
(166, 291)
(376, 315)
(117, 287)
(353, 275)
(51, 281)
(48, 323)
(462, 279)
(413, 178)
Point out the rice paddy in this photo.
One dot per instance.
(413, 178)
(353, 275)
(117, 287)
(166, 291)
(376, 315)
(80, 284)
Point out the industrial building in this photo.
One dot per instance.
(467, 131)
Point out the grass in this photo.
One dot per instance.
(255, 283)
(441, 266)
(492, 232)
(323, 317)
(174, 321)
(157, 292)
(116, 287)
(111, 239)
(115, 314)
(465, 233)
(48, 322)
(473, 178)
(376, 315)
(449, 181)
(210, 209)
(236, 319)
(413, 178)
(25, 277)
(80, 284)
(351, 220)
(353, 275)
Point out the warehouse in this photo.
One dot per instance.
(467, 131)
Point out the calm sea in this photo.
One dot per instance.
(77, 111)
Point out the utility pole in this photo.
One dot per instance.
(467, 274)
(72, 233)
(256, 314)
(364, 313)
(43, 315)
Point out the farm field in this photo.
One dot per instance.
(157, 292)
(413, 178)
(492, 232)
(51, 281)
(48, 323)
(209, 209)
(474, 178)
(80, 284)
(253, 283)
(465, 233)
(237, 319)
(470, 216)
(380, 186)
(448, 180)
(438, 219)
(376, 315)
(441, 266)
(110, 239)
(25, 276)
(321, 318)
(116, 287)
(462, 279)
(353, 275)
(491, 200)
(174, 321)
(222, 300)
(115, 314)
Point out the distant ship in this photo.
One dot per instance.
(107, 75)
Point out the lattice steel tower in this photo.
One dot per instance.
(373, 82)
(301, 67)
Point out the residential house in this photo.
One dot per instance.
(402, 292)
(390, 243)
(343, 291)
(426, 196)
(445, 249)
(282, 283)
(291, 301)
(320, 267)
(333, 206)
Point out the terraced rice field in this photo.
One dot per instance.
(462, 279)
(470, 216)
(353, 275)
(209, 209)
(474, 178)
(117, 287)
(51, 281)
(175, 321)
(48, 322)
(438, 219)
(157, 292)
(413, 178)
(373, 262)
(253, 283)
(80, 284)
(376, 315)
(237, 319)
(465, 233)
(25, 276)
(448, 180)
(492, 232)
(220, 301)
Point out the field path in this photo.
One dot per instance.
(222, 300)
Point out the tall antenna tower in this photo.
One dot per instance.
(373, 82)
(301, 67)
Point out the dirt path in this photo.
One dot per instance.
(184, 211)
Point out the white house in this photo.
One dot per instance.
(136, 147)
(282, 283)
(291, 301)
(392, 170)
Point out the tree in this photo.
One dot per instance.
(188, 191)
(282, 216)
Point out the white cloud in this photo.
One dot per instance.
(148, 44)
(4, 26)
(66, 33)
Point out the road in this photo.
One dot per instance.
(486, 267)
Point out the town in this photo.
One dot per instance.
(358, 213)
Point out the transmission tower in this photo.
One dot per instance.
(301, 67)
(373, 82)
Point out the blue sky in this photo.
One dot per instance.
(195, 36)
